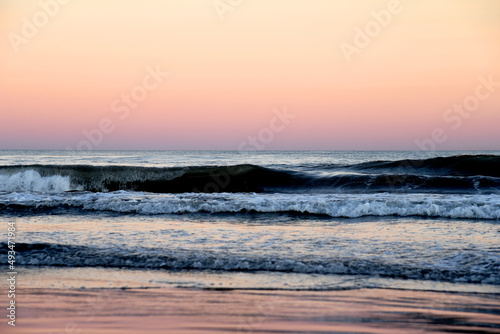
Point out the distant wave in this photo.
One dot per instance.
(333, 205)
(457, 174)
(45, 254)
(458, 165)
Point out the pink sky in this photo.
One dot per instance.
(230, 66)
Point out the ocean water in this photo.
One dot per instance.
(256, 220)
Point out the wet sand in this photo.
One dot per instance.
(248, 311)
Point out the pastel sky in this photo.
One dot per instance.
(364, 74)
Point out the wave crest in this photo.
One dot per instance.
(31, 180)
(478, 174)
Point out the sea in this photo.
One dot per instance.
(285, 220)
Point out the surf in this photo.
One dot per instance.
(464, 174)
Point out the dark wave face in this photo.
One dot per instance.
(238, 178)
(457, 174)
(460, 165)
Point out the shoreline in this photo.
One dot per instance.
(183, 310)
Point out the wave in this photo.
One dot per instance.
(48, 178)
(458, 165)
(457, 174)
(31, 180)
(45, 254)
(332, 205)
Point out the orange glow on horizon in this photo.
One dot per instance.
(225, 76)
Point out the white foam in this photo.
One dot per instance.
(31, 180)
(334, 205)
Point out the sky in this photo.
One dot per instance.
(250, 74)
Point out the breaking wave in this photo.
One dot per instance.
(30, 180)
(478, 174)
(333, 205)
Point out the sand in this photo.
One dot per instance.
(179, 310)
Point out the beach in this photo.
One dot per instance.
(247, 311)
